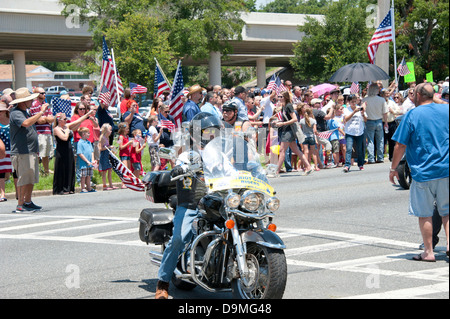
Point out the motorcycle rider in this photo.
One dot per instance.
(230, 112)
(190, 189)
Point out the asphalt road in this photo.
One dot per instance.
(347, 236)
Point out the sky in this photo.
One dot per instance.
(259, 3)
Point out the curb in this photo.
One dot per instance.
(49, 192)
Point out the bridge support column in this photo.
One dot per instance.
(215, 72)
(261, 72)
(20, 74)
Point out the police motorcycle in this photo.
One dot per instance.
(234, 247)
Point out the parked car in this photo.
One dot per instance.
(55, 89)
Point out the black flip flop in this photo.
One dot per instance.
(419, 258)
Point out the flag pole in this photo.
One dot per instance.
(115, 80)
(393, 42)
(165, 78)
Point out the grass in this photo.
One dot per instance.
(46, 182)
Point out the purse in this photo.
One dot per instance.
(296, 129)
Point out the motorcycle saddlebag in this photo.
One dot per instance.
(155, 225)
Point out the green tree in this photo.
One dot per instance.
(137, 41)
(422, 29)
(297, 6)
(341, 38)
(178, 28)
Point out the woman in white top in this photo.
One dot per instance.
(354, 119)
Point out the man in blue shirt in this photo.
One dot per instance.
(423, 134)
(190, 108)
(239, 96)
(208, 107)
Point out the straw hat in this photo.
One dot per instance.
(195, 88)
(7, 91)
(3, 107)
(23, 95)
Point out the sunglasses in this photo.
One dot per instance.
(82, 109)
(227, 110)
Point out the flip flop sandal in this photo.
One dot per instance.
(419, 258)
(3, 199)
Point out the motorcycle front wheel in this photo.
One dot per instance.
(404, 175)
(270, 274)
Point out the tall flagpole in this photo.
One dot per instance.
(115, 79)
(393, 42)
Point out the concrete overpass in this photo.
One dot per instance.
(34, 30)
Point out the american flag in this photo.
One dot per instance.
(5, 163)
(280, 86)
(137, 89)
(384, 33)
(108, 77)
(167, 124)
(161, 84)
(354, 88)
(104, 96)
(271, 85)
(61, 106)
(280, 116)
(127, 177)
(403, 68)
(176, 103)
(326, 134)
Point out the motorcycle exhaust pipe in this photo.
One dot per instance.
(155, 258)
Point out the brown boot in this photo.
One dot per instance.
(162, 290)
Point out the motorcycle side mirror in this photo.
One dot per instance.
(167, 153)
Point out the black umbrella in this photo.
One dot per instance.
(359, 72)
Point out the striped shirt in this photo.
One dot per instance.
(36, 108)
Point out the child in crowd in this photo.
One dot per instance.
(153, 142)
(124, 145)
(104, 166)
(138, 145)
(334, 124)
(85, 160)
(308, 124)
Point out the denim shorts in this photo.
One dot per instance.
(309, 141)
(422, 197)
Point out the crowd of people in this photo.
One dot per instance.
(356, 123)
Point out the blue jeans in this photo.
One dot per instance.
(358, 142)
(287, 160)
(182, 234)
(375, 135)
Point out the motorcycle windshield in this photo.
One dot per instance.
(231, 162)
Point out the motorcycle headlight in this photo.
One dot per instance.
(273, 204)
(252, 201)
(233, 200)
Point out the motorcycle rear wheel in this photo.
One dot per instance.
(271, 278)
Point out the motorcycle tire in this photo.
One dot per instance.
(404, 175)
(272, 275)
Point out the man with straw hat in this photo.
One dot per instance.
(25, 147)
(191, 108)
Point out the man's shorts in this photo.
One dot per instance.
(422, 197)
(45, 145)
(26, 167)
